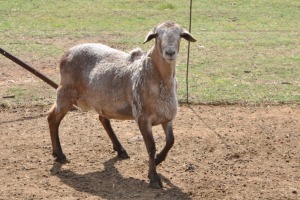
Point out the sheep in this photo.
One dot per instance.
(117, 85)
(135, 54)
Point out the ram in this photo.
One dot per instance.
(117, 85)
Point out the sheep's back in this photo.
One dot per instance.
(80, 61)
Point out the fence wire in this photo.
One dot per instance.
(246, 51)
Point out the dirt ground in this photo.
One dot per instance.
(221, 152)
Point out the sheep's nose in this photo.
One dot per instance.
(170, 52)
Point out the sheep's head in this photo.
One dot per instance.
(167, 37)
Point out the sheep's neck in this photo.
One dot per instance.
(166, 70)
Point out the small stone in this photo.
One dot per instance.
(294, 192)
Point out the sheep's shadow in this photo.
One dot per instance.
(27, 118)
(110, 184)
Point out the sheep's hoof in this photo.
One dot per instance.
(123, 154)
(60, 158)
(156, 183)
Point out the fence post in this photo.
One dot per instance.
(188, 56)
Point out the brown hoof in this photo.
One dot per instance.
(156, 183)
(123, 155)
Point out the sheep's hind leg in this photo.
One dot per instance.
(54, 119)
(116, 144)
(168, 129)
(64, 103)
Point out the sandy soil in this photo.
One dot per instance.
(221, 152)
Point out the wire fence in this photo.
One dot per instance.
(246, 51)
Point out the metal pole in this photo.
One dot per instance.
(188, 56)
(29, 68)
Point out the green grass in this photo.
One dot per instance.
(246, 50)
(32, 94)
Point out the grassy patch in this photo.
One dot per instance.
(166, 6)
(37, 94)
(247, 51)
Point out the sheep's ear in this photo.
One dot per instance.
(151, 35)
(186, 35)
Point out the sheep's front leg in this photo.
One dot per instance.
(168, 129)
(146, 130)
